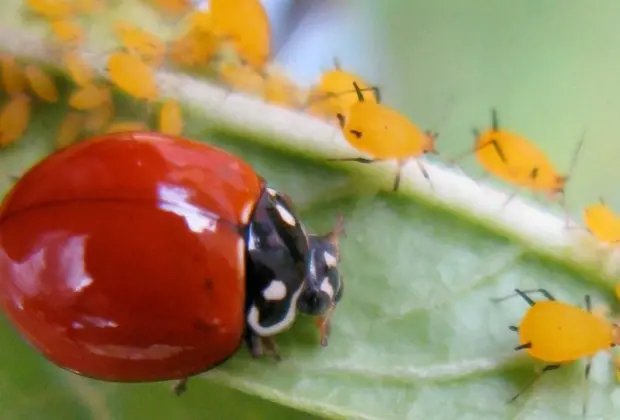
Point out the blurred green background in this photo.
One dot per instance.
(550, 68)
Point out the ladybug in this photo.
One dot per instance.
(140, 256)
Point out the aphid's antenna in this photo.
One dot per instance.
(564, 179)
(523, 294)
(574, 159)
(533, 381)
(494, 120)
(329, 95)
(337, 65)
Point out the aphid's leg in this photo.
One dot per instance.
(524, 295)
(588, 303)
(358, 160)
(512, 195)
(494, 120)
(425, 173)
(513, 328)
(180, 386)
(547, 368)
(585, 386)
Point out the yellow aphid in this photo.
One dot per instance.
(201, 20)
(280, 90)
(67, 32)
(79, 71)
(241, 78)
(14, 118)
(126, 126)
(41, 83)
(193, 49)
(89, 7)
(173, 7)
(170, 118)
(13, 77)
(69, 129)
(53, 9)
(89, 97)
(132, 75)
(140, 42)
(98, 118)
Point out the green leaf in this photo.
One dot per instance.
(416, 335)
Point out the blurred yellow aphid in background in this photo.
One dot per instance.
(384, 134)
(79, 70)
(97, 118)
(132, 75)
(67, 32)
(173, 7)
(602, 222)
(144, 44)
(333, 94)
(51, 9)
(41, 83)
(245, 24)
(89, 7)
(193, 49)
(14, 119)
(89, 97)
(279, 89)
(13, 77)
(171, 118)
(241, 78)
(122, 126)
(70, 129)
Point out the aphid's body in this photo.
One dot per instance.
(140, 42)
(67, 32)
(98, 118)
(241, 78)
(41, 83)
(13, 77)
(89, 7)
(89, 97)
(132, 75)
(14, 118)
(280, 90)
(194, 48)
(51, 9)
(170, 118)
(173, 7)
(327, 99)
(602, 222)
(70, 129)
(80, 72)
(246, 25)
(123, 126)
(384, 134)
(558, 333)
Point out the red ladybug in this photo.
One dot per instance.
(136, 257)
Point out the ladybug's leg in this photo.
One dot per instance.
(180, 386)
(259, 346)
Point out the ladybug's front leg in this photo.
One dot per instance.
(259, 346)
(180, 386)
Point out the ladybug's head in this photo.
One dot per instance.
(324, 283)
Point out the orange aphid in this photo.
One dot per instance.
(67, 32)
(333, 95)
(13, 77)
(602, 222)
(173, 7)
(89, 97)
(245, 24)
(70, 129)
(89, 7)
(194, 48)
(138, 41)
(51, 9)
(96, 119)
(79, 71)
(171, 118)
(241, 78)
(133, 76)
(41, 83)
(279, 90)
(126, 126)
(14, 118)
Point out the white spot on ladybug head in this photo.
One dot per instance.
(276, 290)
(330, 260)
(288, 218)
(276, 328)
(326, 287)
(246, 212)
(272, 192)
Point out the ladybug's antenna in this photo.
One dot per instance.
(360, 96)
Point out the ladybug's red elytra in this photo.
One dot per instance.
(139, 256)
